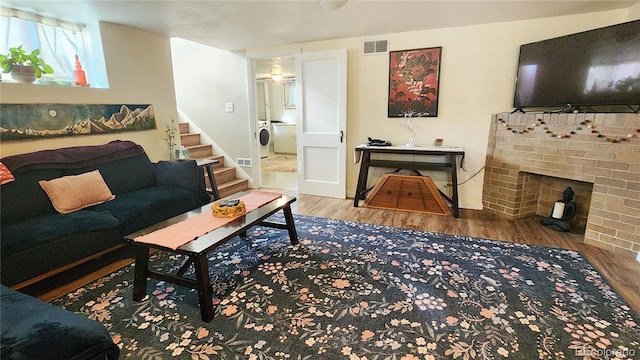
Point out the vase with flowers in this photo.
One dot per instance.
(170, 138)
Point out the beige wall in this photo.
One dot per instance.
(477, 79)
(139, 69)
(634, 12)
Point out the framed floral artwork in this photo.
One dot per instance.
(414, 77)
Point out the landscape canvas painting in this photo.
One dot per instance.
(29, 121)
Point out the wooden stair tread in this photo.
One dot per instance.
(232, 187)
(232, 182)
(222, 169)
(190, 139)
(225, 176)
(199, 146)
(183, 127)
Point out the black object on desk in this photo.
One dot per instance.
(378, 142)
(450, 166)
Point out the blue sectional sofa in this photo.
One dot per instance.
(32, 329)
(37, 238)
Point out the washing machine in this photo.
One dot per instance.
(264, 136)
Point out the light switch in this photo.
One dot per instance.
(228, 107)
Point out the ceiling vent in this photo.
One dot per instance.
(373, 47)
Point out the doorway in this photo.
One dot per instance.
(276, 122)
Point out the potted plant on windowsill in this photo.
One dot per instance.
(24, 67)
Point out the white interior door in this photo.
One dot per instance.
(321, 91)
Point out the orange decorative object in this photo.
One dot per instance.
(81, 79)
(223, 209)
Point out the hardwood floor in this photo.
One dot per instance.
(623, 273)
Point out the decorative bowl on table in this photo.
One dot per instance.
(228, 208)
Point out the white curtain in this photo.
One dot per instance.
(59, 41)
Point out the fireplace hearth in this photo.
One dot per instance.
(532, 158)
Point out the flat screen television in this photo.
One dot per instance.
(591, 68)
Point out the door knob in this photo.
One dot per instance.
(341, 136)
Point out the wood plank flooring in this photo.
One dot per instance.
(623, 273)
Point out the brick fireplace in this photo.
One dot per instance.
(532, 158)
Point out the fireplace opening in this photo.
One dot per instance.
(546, 190)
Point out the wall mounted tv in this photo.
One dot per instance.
(591, 68)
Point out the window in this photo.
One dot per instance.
(59, 42)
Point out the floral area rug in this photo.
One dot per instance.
(361, 291)
(280, 163)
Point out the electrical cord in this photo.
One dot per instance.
(472, 176)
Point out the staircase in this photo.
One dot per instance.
(225, 176)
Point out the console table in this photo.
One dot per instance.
(363, 154)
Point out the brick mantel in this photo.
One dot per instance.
(522, 146)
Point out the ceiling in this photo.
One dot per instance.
(240, 24)
(284, 66)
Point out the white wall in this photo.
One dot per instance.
(139, 70)
(205, 79)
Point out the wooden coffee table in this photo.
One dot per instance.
(197, 249)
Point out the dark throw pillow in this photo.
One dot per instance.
(183, 174)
